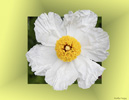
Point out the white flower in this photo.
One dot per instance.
(69, 49)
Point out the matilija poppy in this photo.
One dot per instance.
(69, 49)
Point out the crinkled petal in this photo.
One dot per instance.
(79, 19)
(87, 17)
(49, 28)
(61, 75)
(98, 44)
(88, 70)
(41, 58)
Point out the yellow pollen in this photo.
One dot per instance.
(67, 48)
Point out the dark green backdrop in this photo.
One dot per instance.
(32, 79)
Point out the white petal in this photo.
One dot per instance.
(49, 28)
(88, 70)
(41, 58)
(98, 44)
(88, 18)
(61, 75)
(79, 19)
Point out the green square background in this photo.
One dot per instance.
(14, 45)
(33, 79)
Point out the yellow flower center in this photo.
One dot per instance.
(67, 48)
